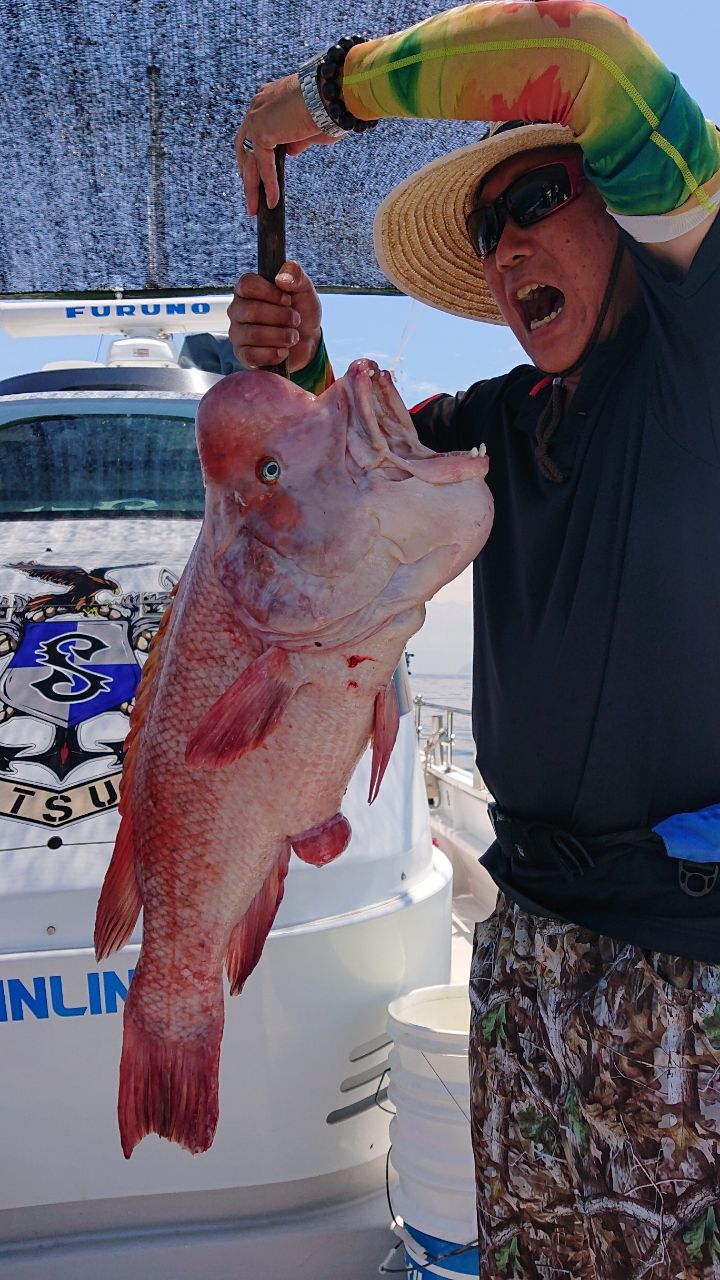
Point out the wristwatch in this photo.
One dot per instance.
(309, 88)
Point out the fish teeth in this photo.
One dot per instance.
(478, 453)
(483, 451)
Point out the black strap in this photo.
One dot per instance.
(539, 845)
(548, 423)
(604, 307)
(552, 414)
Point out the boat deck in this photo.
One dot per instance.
(467, 910)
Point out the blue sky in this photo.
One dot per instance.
(430, 351)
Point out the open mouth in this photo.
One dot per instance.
(381, 436)
(439, 468)
(539, 304)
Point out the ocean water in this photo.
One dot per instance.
(453, 691)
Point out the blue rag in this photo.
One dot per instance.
(694, 837)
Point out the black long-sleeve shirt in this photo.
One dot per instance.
(596, 678)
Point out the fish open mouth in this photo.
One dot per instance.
(403, 458)
(450, 468)
(381, 436)
(539, 304)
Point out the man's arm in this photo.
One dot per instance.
(647, 147)
(435, 421)
(679, 253)
(318, 375)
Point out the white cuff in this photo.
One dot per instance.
(659, 228)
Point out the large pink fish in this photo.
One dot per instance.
(327, 526)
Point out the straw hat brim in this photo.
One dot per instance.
(421, 241)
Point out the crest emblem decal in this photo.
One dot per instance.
(69, 669)
(67, 672)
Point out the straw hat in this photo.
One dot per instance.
(420, 238)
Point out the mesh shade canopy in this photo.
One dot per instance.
(117, 120)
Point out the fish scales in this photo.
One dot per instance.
(327, 527)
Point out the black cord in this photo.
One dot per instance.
(376, 1099)
(387, 1188)
(429, 1262)
(604, 308)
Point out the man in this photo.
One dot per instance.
(595, 987)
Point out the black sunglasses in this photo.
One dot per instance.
(530, 198)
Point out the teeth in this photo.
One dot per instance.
(483, 451)
(526, 290)
(473, 452)
(478, 453)
(537, 324)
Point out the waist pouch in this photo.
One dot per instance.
(692, 839)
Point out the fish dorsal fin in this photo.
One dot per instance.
(120, 898)
(244, 715)
(248, 937)
(144, 698)
(385, 729)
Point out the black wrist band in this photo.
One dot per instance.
(329, 73)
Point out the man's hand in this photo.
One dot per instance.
(277, 116)
(271, 321)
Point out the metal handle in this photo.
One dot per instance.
(271, 239)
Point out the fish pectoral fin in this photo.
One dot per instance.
(120, 899)
(319, 845)
(244, 715)
(247, 939)
(385, 728)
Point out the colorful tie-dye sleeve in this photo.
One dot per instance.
(647, 146)
(318, 375)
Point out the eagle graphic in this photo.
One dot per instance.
(83, 585)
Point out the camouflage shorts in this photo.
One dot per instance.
(595, 1079)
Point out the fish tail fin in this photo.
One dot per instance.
(247, 939)
(169, 1087)
(120, 899)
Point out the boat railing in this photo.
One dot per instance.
(436, 744)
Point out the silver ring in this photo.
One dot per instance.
(247, 144)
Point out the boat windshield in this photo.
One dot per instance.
(100, 465)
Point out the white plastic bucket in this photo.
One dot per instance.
(430, 1132)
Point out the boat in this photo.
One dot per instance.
(101, 503)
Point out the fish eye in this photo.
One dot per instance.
(268, 470)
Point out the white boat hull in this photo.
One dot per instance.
(299, 1125)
